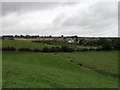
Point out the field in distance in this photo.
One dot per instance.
(96, 69)
(33, 45)
(24, 44)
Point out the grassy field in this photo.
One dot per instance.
(105, 62)
(71, 45)
(33, 45)
(24, 44)
(50, 70)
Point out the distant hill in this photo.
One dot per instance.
(24, 44)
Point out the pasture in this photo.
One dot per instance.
(35, 45)
(55, 70)
(105, 62)
(24, 44)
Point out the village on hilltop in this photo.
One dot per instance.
(68, 39)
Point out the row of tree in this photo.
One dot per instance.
(107, 44)
(45, 49)
(28, 36)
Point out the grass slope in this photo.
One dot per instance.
(104, 61)
(47, 70)
(33, 45)
(24, 44)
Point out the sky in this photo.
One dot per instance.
(60, 18)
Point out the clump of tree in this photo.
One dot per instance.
(36, 50)
(26, 36)
(58, 49)
(46, 49)
(110, 44)
(67, 49)
(82, 42)
(8, 37)
(24, 49)
(105, 43)
(55, 49)
(116, 44)
(9, 49)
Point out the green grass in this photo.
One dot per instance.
(71, 45)
(105, 62)
(24, 44)
(62, 43)
(48, 70)
(33, 45)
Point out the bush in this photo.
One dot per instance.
(46, 49)
(36, 50)
(116, 44)
(55, 49)
(58, 49)
(107, 46)
(9, 49)
(24, 49)
(67, 49)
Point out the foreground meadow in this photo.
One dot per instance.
(60, 70)
(104, 62)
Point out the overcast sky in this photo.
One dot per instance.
(60, 18)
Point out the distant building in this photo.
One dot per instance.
(30, 39)
(69, 39)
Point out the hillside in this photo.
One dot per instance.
(24, 44)
(104, 62)
(36, 45)
(49, 70)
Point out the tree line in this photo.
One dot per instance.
(105, 43)
(45, 49)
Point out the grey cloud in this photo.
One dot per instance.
(119, 19)
(99, 11)
(8, 7)
(97, 18)
(69, 3)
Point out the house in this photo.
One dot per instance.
(70, 40)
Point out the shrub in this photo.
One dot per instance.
(106, 46)
(116, 44)
(46, 49)
(24, 49)
(70, 50)
(58, 49)
(9, 49)
(67, 49)
(36, 50)
(55, 49)
(84, 49)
